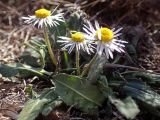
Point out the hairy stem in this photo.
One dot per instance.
(77, 62)
(51, 54)
(85, 71)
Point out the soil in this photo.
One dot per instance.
(139, 17)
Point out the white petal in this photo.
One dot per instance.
(89, 33)
(71, 48)
(99, 35)
(118, 44)
(100, 48)
(110, 53)
(120, 41)
(65, 38)
(91, 28)
(97, 25)
(116, 48)
(116, 35)
(117, 30)
(106, 53)
(113, 29)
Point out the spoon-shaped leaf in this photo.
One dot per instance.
(74, 91)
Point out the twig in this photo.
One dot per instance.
(76, 118)
(110, 65)
(27, 35)
(69, 109)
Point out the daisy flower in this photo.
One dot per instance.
(106, 39)
(77, 40)
(43, 17)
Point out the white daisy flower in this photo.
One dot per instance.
(77, 40)
(106, 39)
(43, 18)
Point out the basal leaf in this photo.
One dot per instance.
(147, 97)
(126, 107)
(8, 71)
(35, 53)
(73, 91)
(147, 77)
(35, 106)
(50, 106)
(23, 70)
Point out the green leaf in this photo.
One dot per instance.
(147, 97)
(23, 70)
(104, 86)
(73, 91)
(75, 22)
(147, 77)
(126, 107)
(56, 31)
(50, 106)
(7, 70)
(35, 53)
(34, 106)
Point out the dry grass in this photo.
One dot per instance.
(13, 33)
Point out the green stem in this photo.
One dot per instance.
(51, 54)
(66, 59)
(77, 62)
(85, 71)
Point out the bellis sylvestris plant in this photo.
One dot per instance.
(73, 34)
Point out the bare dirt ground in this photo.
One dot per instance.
(142, 17)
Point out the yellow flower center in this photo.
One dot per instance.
(106, 34)
(42, 13)
(77, 37)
